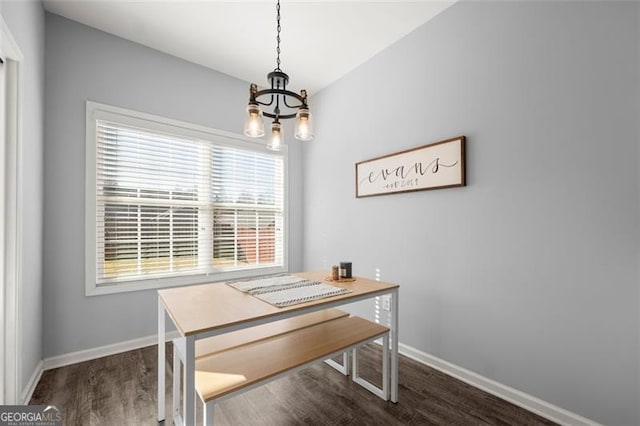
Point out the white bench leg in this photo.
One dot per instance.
(176, 382)
(208, 413)
(344, 368)
(381, 392)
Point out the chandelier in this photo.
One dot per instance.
(281, 102)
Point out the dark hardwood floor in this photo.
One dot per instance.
(121, 390)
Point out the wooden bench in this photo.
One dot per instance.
(236, 362)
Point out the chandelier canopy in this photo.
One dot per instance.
(282, 103)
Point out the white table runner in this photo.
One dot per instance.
(286, 290)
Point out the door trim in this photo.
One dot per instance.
(12, 204)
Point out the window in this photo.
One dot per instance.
(171, 203)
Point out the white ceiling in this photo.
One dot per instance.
(321, 40)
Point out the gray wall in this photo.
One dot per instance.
(83, 63)
(529, 275)
(26, 23)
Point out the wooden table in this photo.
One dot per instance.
(207, 310)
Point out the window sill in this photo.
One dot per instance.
(92, 289)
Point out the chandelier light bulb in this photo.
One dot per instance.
(304, 125)
(276, 137)
(253, 123)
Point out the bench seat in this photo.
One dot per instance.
(229, 371)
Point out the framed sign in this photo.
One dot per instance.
(433, 166)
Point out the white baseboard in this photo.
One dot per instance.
(27, 392)
(514, 396)
(99, 352)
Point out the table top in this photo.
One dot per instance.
(207, 307)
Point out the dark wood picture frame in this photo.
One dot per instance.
(433, 166)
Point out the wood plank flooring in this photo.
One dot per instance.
(121, 390)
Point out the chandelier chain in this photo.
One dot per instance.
(278, 37)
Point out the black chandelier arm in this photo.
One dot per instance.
(285, 93)
(302, 100)
(279, 116)
(254, 100)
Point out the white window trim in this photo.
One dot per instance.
(97, 111)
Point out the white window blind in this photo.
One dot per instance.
(170, 205)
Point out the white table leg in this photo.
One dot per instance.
(189, 391)
(385, 367)
(394, 344)
(345, 362)
(161, 361)
(208, 413)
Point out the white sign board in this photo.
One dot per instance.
(437, 165)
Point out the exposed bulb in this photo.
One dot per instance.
(276, 137)
(304, 125)
(253, 123)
